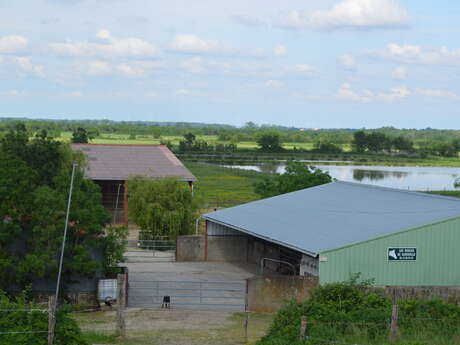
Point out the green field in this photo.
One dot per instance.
(105, 138)
(224, 187)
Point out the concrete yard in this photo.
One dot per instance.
(191, 270)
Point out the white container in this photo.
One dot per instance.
(106, 289)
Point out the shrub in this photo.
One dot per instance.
(13, 318)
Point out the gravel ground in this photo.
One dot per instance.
(160, 327)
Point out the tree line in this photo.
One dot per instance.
(34, 180)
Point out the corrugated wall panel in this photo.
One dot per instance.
(215, 229)
(438, 256)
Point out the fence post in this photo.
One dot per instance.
(303, 328)
(394, 324)
(246, 322)
(51, 319)
(121, 301)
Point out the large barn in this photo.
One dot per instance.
(339, 229)
(110, 166)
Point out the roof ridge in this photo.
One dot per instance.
(389, 189)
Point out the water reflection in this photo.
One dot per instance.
(403, 177)
(375, 175)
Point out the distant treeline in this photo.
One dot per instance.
(386, 139)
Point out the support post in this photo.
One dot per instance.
(121, 304)
(303, 328)
(206, 240)
(125, 203)
(394, 324)
(51, 319)
(246, 323)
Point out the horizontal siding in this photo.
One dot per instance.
(438, 256)
(215, 229)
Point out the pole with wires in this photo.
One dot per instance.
(56, 297)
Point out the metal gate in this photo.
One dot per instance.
(225, 295)
(155, 250)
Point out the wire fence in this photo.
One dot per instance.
(23, 310)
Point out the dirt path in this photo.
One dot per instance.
(160, 327)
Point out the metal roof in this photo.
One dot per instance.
(335, 214)
(120, 162)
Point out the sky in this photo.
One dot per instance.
(312, 64)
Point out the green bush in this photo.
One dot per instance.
(350, 313)
(13, 318)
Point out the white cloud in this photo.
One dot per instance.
(347, 61)
(187, 43)
(183, 92)
(280, 50)
(194, 65)
(12, 44)
(399, 73)
(418, 54)
(397, 93)
(26, 65)
(436, 93)
(75, 94)
(273, 83)
(350, 14)
(103, 68)
(108, 46)
(301, 69)
(346, 92)
(248, 20)
(9, 93)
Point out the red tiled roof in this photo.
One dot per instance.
(120, 162)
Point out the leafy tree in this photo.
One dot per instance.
(250, 125)
(162, 207)
(189, 138)
(270, 142)
(80, 136)
(360, 141)
(34, 182)
(401, 143)
(326, 147)
(376, 141)
(297, 176)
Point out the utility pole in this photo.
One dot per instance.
(56, 297)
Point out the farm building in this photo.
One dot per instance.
(336, 230)
(110, 166)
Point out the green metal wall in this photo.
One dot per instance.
(438, 258)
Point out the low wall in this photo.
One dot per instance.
(227, 248)
(190, 248)
(269, 294)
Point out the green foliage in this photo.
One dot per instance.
(350, 312)
(326, 147)
(379, 141)
(114, 247)
(80, 136)
(14, 319)
(297, 176)
(269, 142)
(163, 207)
(34, 183)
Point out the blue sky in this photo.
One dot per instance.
(320, 64)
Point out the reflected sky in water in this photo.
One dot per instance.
(413, 178)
